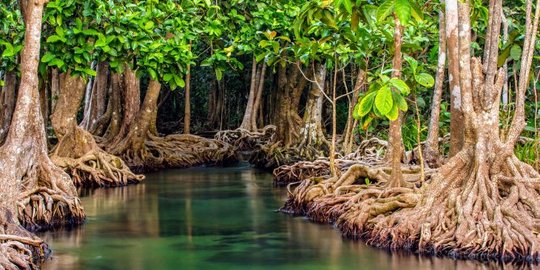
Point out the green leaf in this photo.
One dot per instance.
(393, 114)
(55, 38)
(384, 100)
(9, 51)
(515, 52)
(401, 102)
(348, 5)
(366, 104)
(219, 74)
(167, 77)
(400, 85)
(403, 10)
(385, 9)
(48, 57)
(179, 81)
(425, 80)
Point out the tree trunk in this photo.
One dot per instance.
(351, 123)
(312, 135)
(431, 151)
(8, 103)
(395, 151)
(290, 87)
(97, 98)
(112, 118)
(456, 119)
(187, 105)
(34, 190)
(77, 152)
(247, 123)
(257, 108)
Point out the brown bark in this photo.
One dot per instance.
(97, 105)
(453, 44)
(9, 96)
(109, 125)
(257, 108)
(34, 190)
(395, 151)
(77, 152)
(431, 151)
(187, 105)
(287, 120)
(312, 134)
(247, 123)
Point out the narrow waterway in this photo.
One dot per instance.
(212, 218)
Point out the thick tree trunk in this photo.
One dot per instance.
(431, 151)
(34, 190)
(77, 152)
(98, 97)
(456, 120)
(312, 133)
(9, 97)
(290, 86)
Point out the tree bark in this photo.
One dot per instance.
(453, 45)
(312, 134)
(9, 97)
(257, 108)
(187, 105)
(247, 123)
(431, 151)
(395, 151)
(98, 97)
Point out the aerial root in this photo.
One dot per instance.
(97, 168)
(464, 211)
(44, 208)
(178, 151)
(245, 140)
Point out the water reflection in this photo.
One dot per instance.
(213, 219)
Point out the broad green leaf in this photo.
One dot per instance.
(9, 51)
(425, 79)
(219, 74)
(179, 81)
(393, 114)
(48, 57)
(402, 8)
(400, 85)
(55, 38)
(167, 77)
(384, 100)
(366, 104)
(401, 102)
(385, 9)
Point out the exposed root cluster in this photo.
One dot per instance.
(245, 140)
(465, 209)
(178, 151)
(97, 168)
(78, 154)
(369, 153)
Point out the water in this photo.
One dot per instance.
(212, 218)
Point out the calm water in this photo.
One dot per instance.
(219, 218)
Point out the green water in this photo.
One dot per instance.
(211, 218)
